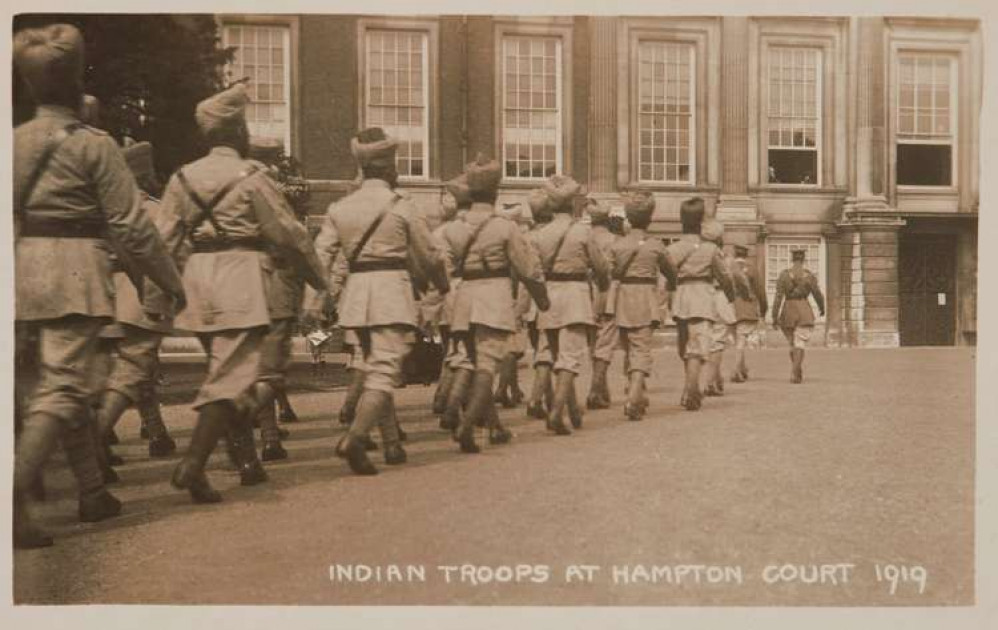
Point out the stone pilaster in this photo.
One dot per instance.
(735, 205)
(869, 303)
(867, 182)
(603, 105)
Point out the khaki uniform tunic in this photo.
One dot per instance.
(571, 302)
(63, 286)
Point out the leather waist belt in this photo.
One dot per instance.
(692, 280)
(484, 274)
(116, 266)
(651, 281)
(567, 277)
(243, 244)
(798, 297)
(37, 227)
(379, 265)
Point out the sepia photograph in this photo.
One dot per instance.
(474, 307)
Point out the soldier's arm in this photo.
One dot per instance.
(527, 266)
(423, 251)
(781, 289)
(279, 227)
(723, 276)
(759, 291)
(819, 298)
(129, 229)
(327, 249)
(598, 262)
(169, 221)
(667, 267)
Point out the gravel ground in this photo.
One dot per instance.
(869, 463)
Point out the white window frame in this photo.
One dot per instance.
(773, 271)
(287, 44)
(954, 113)
(559, 101)
(366, 95)
(819, 115)
(692, 148)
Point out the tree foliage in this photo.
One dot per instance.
(149, 72)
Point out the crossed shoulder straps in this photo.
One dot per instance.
(371, 229)
(207, 208)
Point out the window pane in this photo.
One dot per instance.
(794, 116)
(531, 116)
(924, 98)
(664, 96)
(395, 98)
(924, 164)
(261, 55)
(788, 166)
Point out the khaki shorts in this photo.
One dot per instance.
(383, 349)
(135, 362)
(64, 354)
(743, 331)
(698, 337)
(607, 339)
(637, 345)
(488, 348)
(275, 352)
(721, 336)
(233, 364)
(572, 347)
(457, 354)
(798, 336)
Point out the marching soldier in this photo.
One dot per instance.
(698, 265)
(453, 383)
(542, 390)
(636, 261)
(73, 197)
(285, 293)
(284, 288)
(140, 330)
(221, 214)
(795, 318)
(508, 392)
(381, 236)
(607, 337)
(486, 251)
(748, 311)
(723, 328)
(569, 255)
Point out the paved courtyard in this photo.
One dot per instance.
(855, 488)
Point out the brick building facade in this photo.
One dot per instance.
(855, 138)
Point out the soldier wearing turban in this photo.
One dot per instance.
(606, 337)
(74, 201)
(368, 243)
(699, 265)
(571, 259)
(487, 252)
(225, 218)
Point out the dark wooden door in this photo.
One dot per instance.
(927, 290)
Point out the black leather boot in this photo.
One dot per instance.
(286, 412)
(562, 391)
(38, 437)
(478, 409)
(160, 442)
(373, 408)
(442, 392)
(354, 390)
(458, 400)
(213, 421)
(95, 503)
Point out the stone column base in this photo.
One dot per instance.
(869, 302)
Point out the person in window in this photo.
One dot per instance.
(75, 200)
(792, 312)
